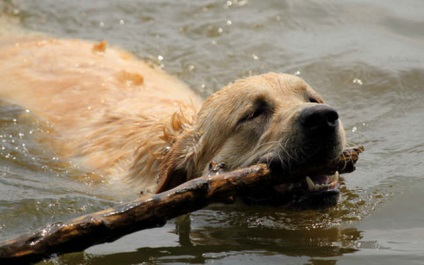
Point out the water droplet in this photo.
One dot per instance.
(242, 3)
(357, 81)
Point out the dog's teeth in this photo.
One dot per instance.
(331, 180)
(334, 178)
(311, 184)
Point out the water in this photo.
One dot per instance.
(365, 57)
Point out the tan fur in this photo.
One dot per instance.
(106, 106)
(217, 136)
(126, 120)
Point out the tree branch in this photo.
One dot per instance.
(151, 211)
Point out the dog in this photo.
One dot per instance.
(135, 125)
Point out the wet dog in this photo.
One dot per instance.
(132, 123)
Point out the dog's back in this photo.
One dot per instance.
(103, 103)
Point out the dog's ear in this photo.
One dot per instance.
(179, 163)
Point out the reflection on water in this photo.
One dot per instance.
(364, 57)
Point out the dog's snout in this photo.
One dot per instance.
(319, 118)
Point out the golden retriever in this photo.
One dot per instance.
(131, 122)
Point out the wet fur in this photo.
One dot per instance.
(132, 123)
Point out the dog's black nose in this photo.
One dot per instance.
(319, 119)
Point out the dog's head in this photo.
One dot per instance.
(272, 118)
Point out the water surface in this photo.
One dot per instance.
(365, 57)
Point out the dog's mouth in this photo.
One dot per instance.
(310, 192)
(297, 192)
(311, 184)
(301, 187)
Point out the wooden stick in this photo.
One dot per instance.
(149, 211)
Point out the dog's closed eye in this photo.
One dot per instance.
(260, 109)
(314, 99)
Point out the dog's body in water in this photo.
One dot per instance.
(134, 124)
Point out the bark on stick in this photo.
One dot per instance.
(151, 211)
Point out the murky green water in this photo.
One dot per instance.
(365, 57)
